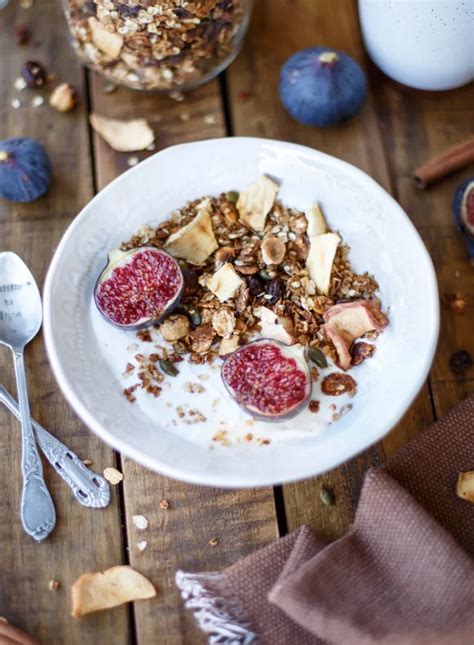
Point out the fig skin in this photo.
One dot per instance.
(261, 416)
(322, 87)
(25, 170)
(466, 185)
(113, 263)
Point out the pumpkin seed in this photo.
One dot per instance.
(326, 496)
(317, 356)
(168, 367)
(194, 317)
(232, 196)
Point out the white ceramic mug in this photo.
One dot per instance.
(426, 44)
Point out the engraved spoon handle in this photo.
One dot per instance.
(89, 488)
(37, 509)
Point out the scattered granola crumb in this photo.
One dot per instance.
(54, 585)
(112, 475)
(210, 119)
(180, 411)
(203, 377)
(314, 374)
(314, 406)
(20, 84)
(37, 101)
(215, 403)
(261, 441)
(15, 103)
(164, 504)
(196, 417)
(140, 522)
(456, 302)
(213, 541)
(194, 388)
(360, 352)
(129, 368)
(129, 393)
(141, 546)
(132, 347)
(248, 436)
(87, 462)
(144, 335)
(338, 383)
(176, 96)
(249, 423)
(133, 161)
(26, 4)
(221, 437)
(184, 116)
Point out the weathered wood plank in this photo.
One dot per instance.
(178, 537)
(84, 539)
(256, 110)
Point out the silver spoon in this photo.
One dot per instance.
(20, 320)
(89, 488)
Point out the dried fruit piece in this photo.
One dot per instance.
(64, 97)
(138, 287)
(460, 361)
(256, 201)
(202, 338)
(361, 351)
(338, 383)
(314, 406)
(279, 328)
(112, 475)
(228, 345)
(225, 282)
(123, 136)
(34, 74)
(268, 380)
(196, 241)
(316, 221)
(322, 252)
(112, 587)
(465, 486)
(348, 321)
(273, 250)
(276, 289)
(175, 327)
(107, 41)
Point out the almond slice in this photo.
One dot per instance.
(123, 136)
(256, 201)
(225, 282)
(109, 43)
(102, 590)
(465, 486)
(196, 241)
(322, 252)
(316, 221)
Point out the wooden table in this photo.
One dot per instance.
(396, 131)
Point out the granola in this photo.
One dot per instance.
(157, 44)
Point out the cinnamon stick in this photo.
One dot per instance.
(452, 159)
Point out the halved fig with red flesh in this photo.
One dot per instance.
(269, 380)
(138, 287)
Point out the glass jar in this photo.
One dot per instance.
(161, 45)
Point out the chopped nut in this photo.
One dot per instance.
(273, 250)
(213, 541)
(54, 585)
(361, 351)
(338, 383)
(64, 97)
(175, 327)
(113, 476)
(194, 388)
(140, 522)
(224, 255)
(164, 504)
(465, 486)
(202, 338)
(314, 406)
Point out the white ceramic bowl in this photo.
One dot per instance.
(382, 239)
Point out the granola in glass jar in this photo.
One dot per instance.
(165, 45)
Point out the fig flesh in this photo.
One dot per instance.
(138, 287)
(268, 380)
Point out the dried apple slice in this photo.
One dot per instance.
(316, 221)
(123, 136)
(196, 241)
(256, 201)
(225, 282)
(322, 252)
(279, 328)
(110, 588)
(108, 42)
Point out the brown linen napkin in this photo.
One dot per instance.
(402, 575)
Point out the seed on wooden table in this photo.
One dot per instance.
(326, 496)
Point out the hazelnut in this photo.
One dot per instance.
(273, 250)
(63, 98)
(175, 327)
(224, 254)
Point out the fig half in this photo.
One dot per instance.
(138, 287)
(269, 380)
